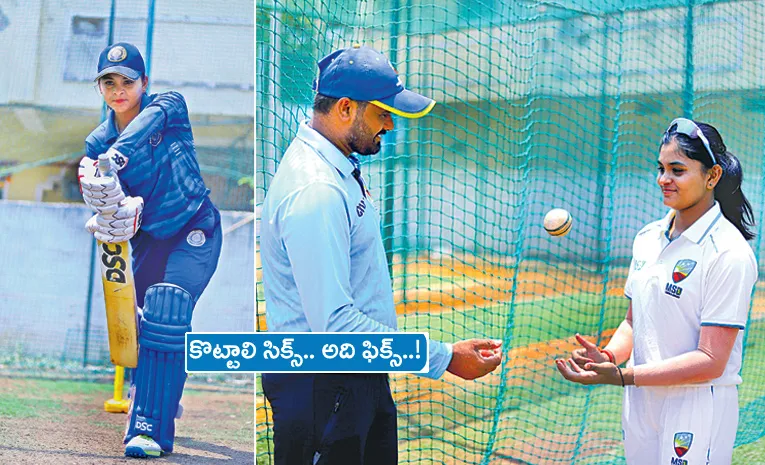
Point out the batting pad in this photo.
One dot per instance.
(160, 375)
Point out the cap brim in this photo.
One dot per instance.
(407, 104)
(121, 70)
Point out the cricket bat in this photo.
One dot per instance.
(119, 294)
(120, 301)
(119, 287)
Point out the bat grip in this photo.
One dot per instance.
(105, 169)
(104, 165)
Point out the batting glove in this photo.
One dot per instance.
(120, 225)
(102, 195)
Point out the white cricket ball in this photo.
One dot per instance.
(558, 222)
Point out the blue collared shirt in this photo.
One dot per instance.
(324, 265)
(161, 163)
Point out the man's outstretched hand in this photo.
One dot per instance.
(474, 358)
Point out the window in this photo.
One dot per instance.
(88, 38)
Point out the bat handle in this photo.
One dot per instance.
(105, 169)
(105, 165)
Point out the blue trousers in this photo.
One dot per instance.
(187, 259)
(332, 419)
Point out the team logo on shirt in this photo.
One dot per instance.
(682, 445)
(155, 139)
(638, 264)
(683, 268)
(673, 290)
(196, 238)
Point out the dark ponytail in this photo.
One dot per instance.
(728, 193)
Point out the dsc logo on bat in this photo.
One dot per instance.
(115, 265)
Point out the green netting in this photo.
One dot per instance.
(540, 105)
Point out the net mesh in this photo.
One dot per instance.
(540, 105)
(51, 302)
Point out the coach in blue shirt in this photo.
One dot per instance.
(324, 268)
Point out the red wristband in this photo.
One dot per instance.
(610, 355)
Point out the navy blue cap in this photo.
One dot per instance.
(121, 58)
(364, 74)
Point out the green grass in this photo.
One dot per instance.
(57, 388)
(750, 454)
(27, 408)
(533, 321)
(263, 446)
(41, 398)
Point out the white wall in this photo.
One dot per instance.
(202, 49)
(44, 280)
(644, 52)
(18, 53)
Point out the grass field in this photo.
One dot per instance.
(63, 422)
(526, 412)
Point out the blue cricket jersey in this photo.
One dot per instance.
(324, 265)
(161, 163)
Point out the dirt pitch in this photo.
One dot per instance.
(63, 422)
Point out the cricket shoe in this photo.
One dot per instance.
(142, 447)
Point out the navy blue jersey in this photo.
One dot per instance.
(158, 163)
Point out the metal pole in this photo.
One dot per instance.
(688, 82)
(602, 142)
(390, 164)
(89, 302)
(408, 154)
(757, 248)
(600, 255)
(109, 41)
(112, 9)
(94, 248)
(149, 38)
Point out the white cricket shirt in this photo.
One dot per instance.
(704, 277)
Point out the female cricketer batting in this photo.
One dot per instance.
(158, 200)
(689, 285)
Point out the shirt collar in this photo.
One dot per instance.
(111, 126)
(698, 230)
(326, 148)
(111, 129)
